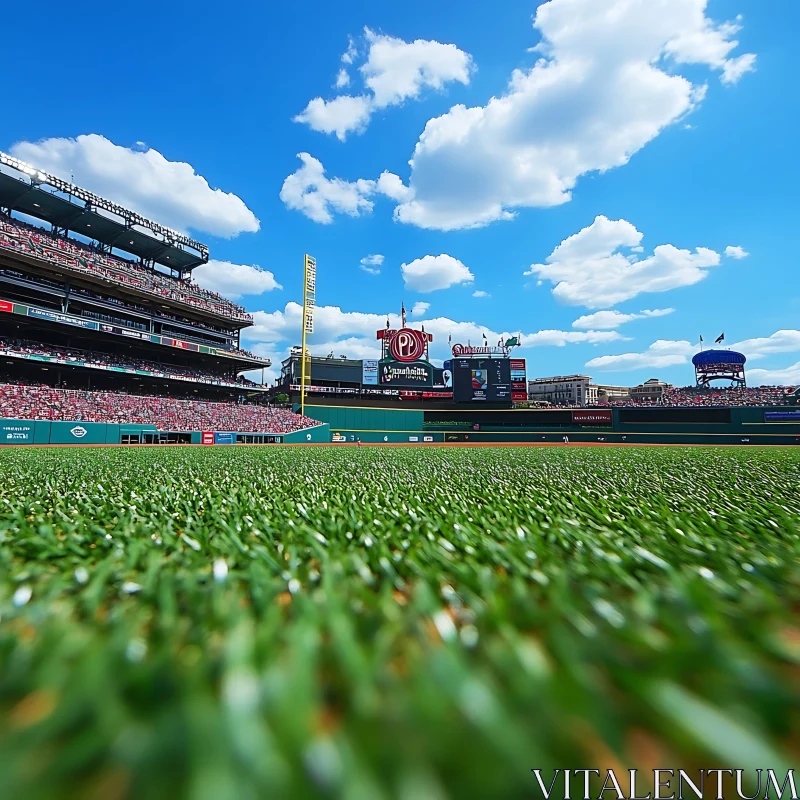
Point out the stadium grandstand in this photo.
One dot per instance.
(101, 320)
(690, 396)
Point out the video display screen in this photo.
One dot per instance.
(481, 380)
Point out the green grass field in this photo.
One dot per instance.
(372, 623)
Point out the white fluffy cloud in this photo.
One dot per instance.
(169, 192)
(234, 280)
(604, 86)
(349, 347)
(554, 338)
(353, 333)
(429, 273)
(662, 353)
(588, 268)
(311, 192)
(734, 251)
(705, 43)
(790, 376)
(372, 264)
(340, 116)
(480, 293)
(419, 308)
(342, 78)
(666, 353)
(390, 185)
(608, 320)
(784, 341)
(394, 71)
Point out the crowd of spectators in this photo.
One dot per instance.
(22, 237)
(677, 397)
(130, 320)
(727, 396)
(21, 401)
(95, 359)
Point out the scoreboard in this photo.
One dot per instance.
(481, 380)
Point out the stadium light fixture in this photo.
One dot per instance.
(131, 218)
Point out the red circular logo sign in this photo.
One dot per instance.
(407, 345)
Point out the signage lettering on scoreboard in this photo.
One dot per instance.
(404, 345)
(369, 372)
(463, 350)
(407, 345)
(398, 373)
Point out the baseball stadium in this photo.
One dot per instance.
(105, 339)
(210, 589)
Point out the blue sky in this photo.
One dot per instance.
(641, 126)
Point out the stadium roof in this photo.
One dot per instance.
(40, 195)
(706, 357)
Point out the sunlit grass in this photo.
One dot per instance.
(236, 623)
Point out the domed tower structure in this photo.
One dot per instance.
(719, 365)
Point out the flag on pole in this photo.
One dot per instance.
(720, 338)
(403, 313)
(701, 338)
(449, 338)
(387, 323)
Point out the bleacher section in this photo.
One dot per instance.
(70, 254)
(691, 396)
(18, 401)
(106, 339)
(88, 359)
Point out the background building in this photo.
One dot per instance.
(605, 393)
(651, 391)
(562, 390)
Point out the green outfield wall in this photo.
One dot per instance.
(318, 435)
(699, 425)
(21, 431)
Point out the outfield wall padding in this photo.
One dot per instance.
(22, 431)
(319, 434)
(703, 425)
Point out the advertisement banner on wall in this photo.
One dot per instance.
(369, 372)
(16, 432)
(64, 319)
(224, 438)
(592, 417)
(208, 437)
(6, 306)
(399, 373)
(791, 415)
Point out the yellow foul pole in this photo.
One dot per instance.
(309, 300)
